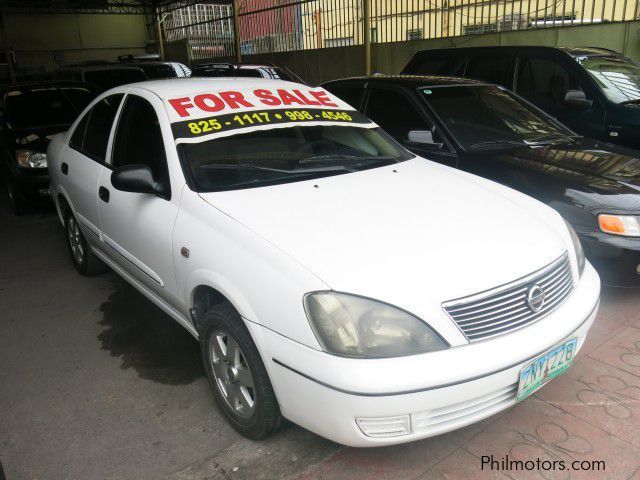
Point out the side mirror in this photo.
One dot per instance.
(577, 98)
(135, 179)
(424, 139)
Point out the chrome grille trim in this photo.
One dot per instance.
(504, 309)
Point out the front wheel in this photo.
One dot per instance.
(237, 375)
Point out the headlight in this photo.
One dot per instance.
(625, 225)
(30, 159)
(359, 327)
(577, 246)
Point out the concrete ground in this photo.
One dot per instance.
(97, 383)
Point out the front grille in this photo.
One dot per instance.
(504, 309)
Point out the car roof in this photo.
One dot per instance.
(412, 81)
(573, 51)
(36, 84)
(171, 87)
(587, 51)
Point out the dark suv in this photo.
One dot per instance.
(594, 91)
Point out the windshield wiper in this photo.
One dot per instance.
(497, 143)
(552, 138)
(297, 171)
(354, 160)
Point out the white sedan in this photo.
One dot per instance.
(331, 277)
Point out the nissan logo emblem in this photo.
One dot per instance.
(535, 298)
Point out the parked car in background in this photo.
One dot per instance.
(594, 91)
(154, 68)
(325, 270)
(245, 70)
(488, 131)
(104, 77)
(30, 114)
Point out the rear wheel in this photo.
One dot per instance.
(85, 261)
(237, 375)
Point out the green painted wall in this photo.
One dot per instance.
(317, 66)
(57, 32)
(41, 42)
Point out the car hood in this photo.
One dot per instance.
(408, 234)
(36, 139)
(600, 165)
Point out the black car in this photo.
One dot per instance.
(245, 70)
(489, 131)
(30, 114)
(103, 77)
(594, 91)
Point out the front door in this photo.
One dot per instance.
(137, 228)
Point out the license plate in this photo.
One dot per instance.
(546, 367)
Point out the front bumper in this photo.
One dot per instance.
(616, 258)
(33, 186)
(430, 393)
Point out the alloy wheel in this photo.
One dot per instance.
(232, 374)
(75, 240)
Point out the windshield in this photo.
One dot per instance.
(283, 155)
(46, 107)
(618, 77)
(482, 117)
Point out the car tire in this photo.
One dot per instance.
(237, 374)
(83, 258)
(18, 204)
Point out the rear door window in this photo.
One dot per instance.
(450, 65)
(490, 68)
(92, 133)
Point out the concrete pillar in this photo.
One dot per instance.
(366, 12)
(236, 32)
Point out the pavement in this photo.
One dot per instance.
(97, 383)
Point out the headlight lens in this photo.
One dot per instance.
(30, 159)
(359, 327)
(625, 225)
(577, 246)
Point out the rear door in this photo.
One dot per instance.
(137, 228)
(84, 160)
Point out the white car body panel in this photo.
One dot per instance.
(414, 234)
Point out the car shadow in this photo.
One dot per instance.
(146, 339)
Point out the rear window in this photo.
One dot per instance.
(159, 71)
(37, 108)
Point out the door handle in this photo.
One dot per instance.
(64, 168)
(103, 193)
